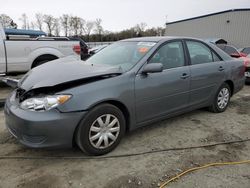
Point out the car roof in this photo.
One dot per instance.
(156, 39)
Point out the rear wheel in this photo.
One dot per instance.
(101, 130)
(41, 62)
(43, 59)
(221, 99)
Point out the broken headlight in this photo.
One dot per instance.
(44, 103)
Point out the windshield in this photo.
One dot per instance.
(121, 54)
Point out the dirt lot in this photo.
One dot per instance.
(149, 170)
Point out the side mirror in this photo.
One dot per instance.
(236, 55)
(152, 68)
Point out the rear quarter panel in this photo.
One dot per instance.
(235, 71)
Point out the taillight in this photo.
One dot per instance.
(77, 49)
(247, 63)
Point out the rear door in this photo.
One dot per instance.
(159, 94)
(207, 72)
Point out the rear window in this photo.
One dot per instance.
(230, 50)
(246, 50)
(222, 54)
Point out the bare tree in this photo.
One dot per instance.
(39, 21)
(140, 28)
(32, 25)
(7, 22)
(160, 31)
(74, 25)
(57, 27)
(49, 20)
(99, 28)
(82, 26)
(65, 23)
(88, 28)
(25, 21)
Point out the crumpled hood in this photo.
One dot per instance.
(61, 71)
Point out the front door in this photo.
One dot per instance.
(159, 94)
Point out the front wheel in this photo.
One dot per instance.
(221, 99)
(101, 130)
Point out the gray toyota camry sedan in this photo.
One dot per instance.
(126, 85)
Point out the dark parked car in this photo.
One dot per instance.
(128, 84)
(232, 51)
(245, 50)
(83, 47)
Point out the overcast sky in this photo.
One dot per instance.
(120, 14)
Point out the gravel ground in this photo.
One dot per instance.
(192, 129)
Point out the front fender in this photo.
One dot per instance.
(118, 89)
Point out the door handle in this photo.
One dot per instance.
(184, 76)
(221, 68)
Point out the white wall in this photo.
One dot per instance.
(236, 32)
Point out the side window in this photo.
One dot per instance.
(215, 57)
(171, 55)
(230, 50)
(246, 50)
(199, 53)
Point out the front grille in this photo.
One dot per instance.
(34, 139)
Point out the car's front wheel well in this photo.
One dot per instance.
(124, 110)
(117, 104)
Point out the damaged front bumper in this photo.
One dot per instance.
(41, 129)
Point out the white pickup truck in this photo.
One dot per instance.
(22, 54)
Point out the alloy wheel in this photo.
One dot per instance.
(104, 131)
(223, 98)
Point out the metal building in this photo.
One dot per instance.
(231, 25)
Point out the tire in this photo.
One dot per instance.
(101, 130)
(43, 59)
(221, 99)
(40, 63)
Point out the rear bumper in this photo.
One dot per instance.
(41, 129)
